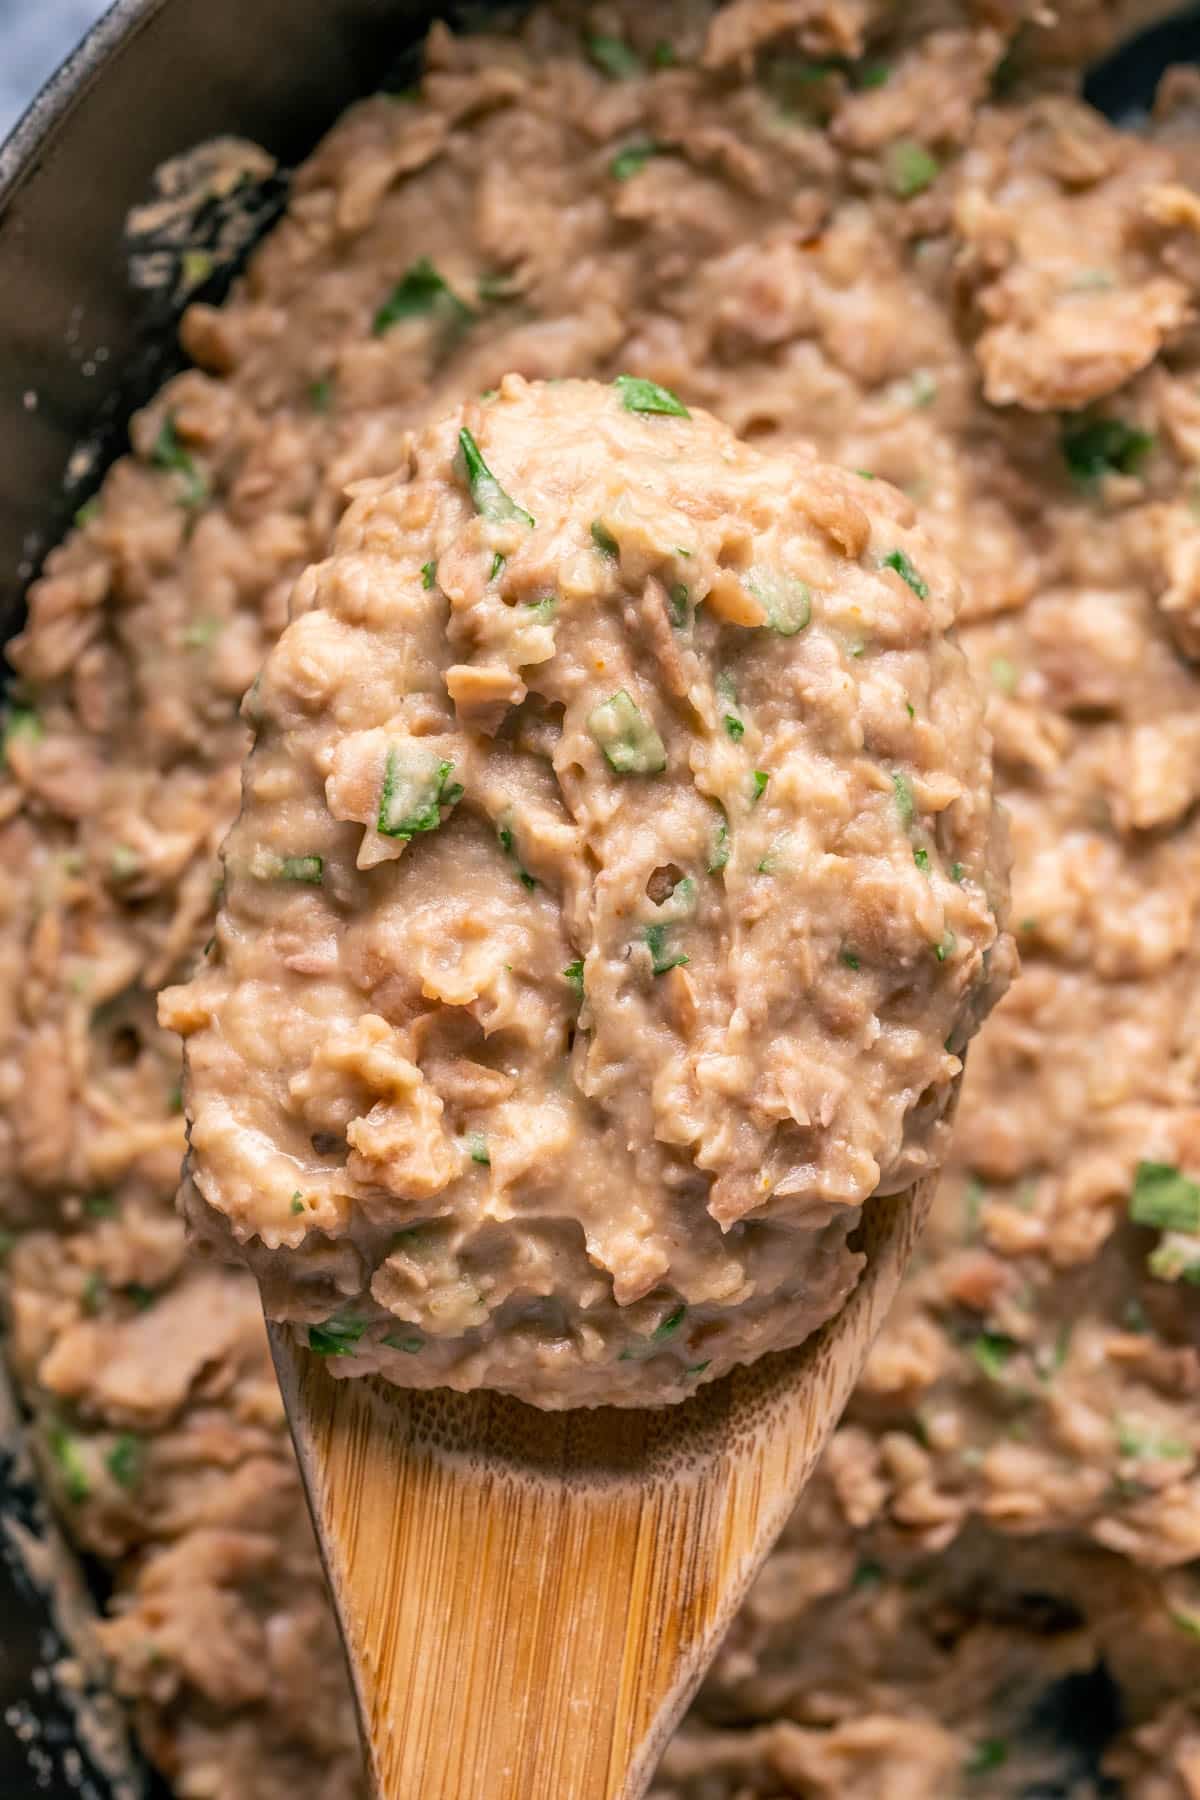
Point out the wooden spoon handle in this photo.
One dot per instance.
(529, 1599)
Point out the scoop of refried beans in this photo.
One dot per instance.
(616, 887)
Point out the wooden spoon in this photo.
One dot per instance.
(529, 1599)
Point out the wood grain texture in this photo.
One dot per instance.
(530, 1599)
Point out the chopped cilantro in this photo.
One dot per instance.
(787, 601)
(662, 959)
(415, 788)
(336, 1337)
(849, 958)
(903, 795)
(95, 1293)
(698, 1368)
(921, 858)
(1095, 447)
(663, 55)
(477, 1149)
(497, 567)
(168, 453)
(956, 873)
(428, 575)
(718, 854)
(670, 1324)
(1004, 673)
(574, 974)
(868, 1574)
(992, 1350)
(641, 396)
(630, 743)
(507, 842)
(872, 75)
(734, 726)
(67, 1451)
(494, 288)
(320, 394)
(125, 1460)
(1136, 1444)
(308, 870)
(420, 293)
(297, 1202)
(991, 1753)
(896, 559)
(679, 606)
(21, 724)
(759, 780)
(201, 633)
(99, 1205)
(633, 158)
(1164, 1198)
(603, 539)
(139, 1295)
(909, 168)
(613, 57)
(87, 512)
(947, 946)
(490, 499)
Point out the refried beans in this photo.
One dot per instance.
(892, 233)
(614, 893)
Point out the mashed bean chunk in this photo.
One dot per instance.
(615, 891)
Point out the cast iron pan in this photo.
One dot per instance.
(155, 77)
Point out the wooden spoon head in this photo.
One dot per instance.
(529, 1599)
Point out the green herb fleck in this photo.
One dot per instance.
(670, 1324)
(849, 958)
(201, 633)
(661, 958)
(1096, 447)
(603, 539)
(629, 741)
(679, 607)
(956, 874)
(21, 725)
(308, 870)
(613, 57)
(168, 453)
(992, 1350)
(698, 1368)
(421, 293)
(872, 75)
(477, 1149)
(1164, 1198)
(909, 168)
(336, 1337)
(139, 1295)
(95, 1293)
(409, 1345)
(1004, 673)
(574, 974)
(663, 55)
(1136, 1444)
(495, 288)
(947, 946)
(787, 601)
(124, 1461)
(490, 499)
(992, 1753)
(632, 159)
(921, 858)
(868, 1574)
(1188, 1622)
(67, 1451)
(87, 512)
(428, 575)
(320, 394)
(507, 842)
(415, 789)
(903, 796)
(718, 854)
(896, 559)
(734, 727)
(641, 396)
(100, 1205)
